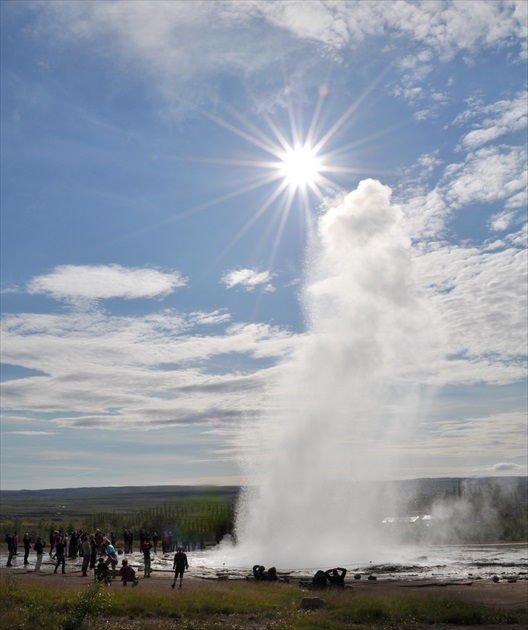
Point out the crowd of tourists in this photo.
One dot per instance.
(99, 553)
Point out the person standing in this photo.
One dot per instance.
(26, 541)
(60, 554)
(99, 540)
(93, 551)
(180, 565)
(39, 550)
(147, 546)
(86, 552)
(74, 545)
(129, 540)
(10, 541)
(112, 557)
(52, 536)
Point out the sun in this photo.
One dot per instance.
(297, 160)
(300, 166)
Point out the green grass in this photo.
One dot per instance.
(229, 605)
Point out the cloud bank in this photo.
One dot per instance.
(173, 44)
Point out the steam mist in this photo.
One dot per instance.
(342, 406)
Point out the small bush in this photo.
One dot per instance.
(89, 603)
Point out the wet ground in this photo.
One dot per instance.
(445, 563)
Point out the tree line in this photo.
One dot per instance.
(192, 521)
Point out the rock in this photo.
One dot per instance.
(372, 577)
(496, 578)
(357, 576)
(310, 603)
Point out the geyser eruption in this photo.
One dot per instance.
(340, 408)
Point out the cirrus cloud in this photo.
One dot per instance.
(173, 46)
(248, 279)
(499, 119)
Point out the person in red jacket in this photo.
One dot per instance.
(127, 573)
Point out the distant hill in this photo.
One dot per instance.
(415, 494)
(61, 503)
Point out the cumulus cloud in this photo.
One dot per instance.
(97, 282)
(249, 279)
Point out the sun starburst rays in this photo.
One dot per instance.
(296, 163)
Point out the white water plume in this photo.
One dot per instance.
(345, 402)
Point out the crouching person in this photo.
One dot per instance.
(102, 572)
(128, 574)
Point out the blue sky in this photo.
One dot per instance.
(156, 251)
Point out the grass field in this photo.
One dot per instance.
(34, 606)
